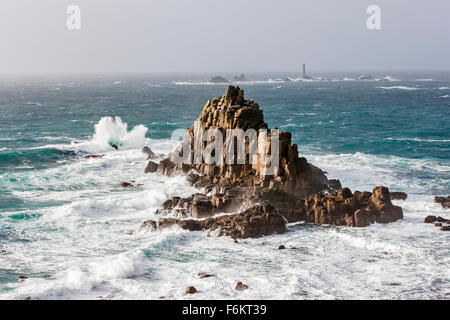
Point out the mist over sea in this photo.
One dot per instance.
(67, 226)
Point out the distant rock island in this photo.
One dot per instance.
(240, 78)
(364, 77)
(218, 79)
(252, 204)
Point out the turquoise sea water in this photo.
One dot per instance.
(66, 225)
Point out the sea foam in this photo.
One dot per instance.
(109, 131)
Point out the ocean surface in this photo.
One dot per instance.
(67, 226)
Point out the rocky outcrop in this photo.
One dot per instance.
(150, 154)
(151, 167)
(265, 202)
(431, 219)
(260, 220)
(343, 208)
(191, 290)
(294, 174)
(443, 201)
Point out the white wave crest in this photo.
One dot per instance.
(109, 131)
(399, 88)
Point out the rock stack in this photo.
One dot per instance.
(293, 192)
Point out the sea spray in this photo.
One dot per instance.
(111, 132)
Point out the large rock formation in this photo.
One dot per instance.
(292, 192)
(294, 174)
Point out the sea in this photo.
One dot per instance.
(67, 226)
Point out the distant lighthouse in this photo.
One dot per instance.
(304, 70)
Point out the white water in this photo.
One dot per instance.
(91, 246)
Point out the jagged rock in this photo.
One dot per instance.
(281, 247)
(149, 152)
(398, 195)
(22, 278)
(443, 201)
(191, 290)
(151, 167)
(341, 208)
(260, 220)
(94, 156)
(294, 174)
(240, 286)
(293, 192)
(445, 228)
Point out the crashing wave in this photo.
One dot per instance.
(113, 134)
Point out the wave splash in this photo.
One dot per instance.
(113, 134)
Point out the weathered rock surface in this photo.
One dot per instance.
(265, 202)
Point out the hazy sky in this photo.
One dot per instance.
(222, 35)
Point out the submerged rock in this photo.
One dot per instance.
(94, 156)
(22, 278)
(431, 219)
(241, 286)
(443, 201)
(203, 275)
(191, 290)
(398, 195)
(124, 184)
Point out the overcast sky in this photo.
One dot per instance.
(222, 35)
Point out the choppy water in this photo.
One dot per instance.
(66, 225)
